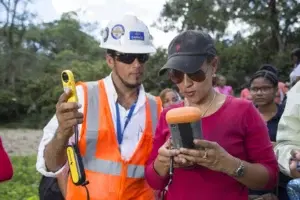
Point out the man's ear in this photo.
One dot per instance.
(110, 61)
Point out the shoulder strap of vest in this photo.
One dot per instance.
(88, 89)
(155, 107)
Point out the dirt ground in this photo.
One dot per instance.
(21, 142)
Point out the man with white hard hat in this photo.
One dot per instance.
(116, 118)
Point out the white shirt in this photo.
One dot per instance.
(288, 133)
(294, 74)
(132, 133)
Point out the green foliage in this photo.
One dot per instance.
(187, 14)
(273, 32)
(25, 182)
(31, 81)
(153, 83)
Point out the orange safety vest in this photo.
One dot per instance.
(110, 177)
(159, 104)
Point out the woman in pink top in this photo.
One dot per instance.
(222, 87)
(237, 152)
(6, 169)
(245, 94)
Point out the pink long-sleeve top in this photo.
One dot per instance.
(6, 170)
(239, 129)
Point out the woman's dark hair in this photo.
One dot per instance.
(210, 58)
(268, 72)
(296, 52)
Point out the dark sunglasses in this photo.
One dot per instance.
(177, 76)
(128, 58)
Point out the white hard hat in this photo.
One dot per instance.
(128, 35)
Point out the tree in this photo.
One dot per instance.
(272, 34)
(12, 32)
(153, 83)
(47, 49)
(274, 19)
(189, 14)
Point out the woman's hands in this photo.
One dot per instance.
(210, 155)
(165, 154)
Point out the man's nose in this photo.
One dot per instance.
(136, 63)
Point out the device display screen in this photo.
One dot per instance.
(183, 134)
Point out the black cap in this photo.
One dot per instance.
(188, 50)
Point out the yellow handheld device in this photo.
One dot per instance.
(68, 82)
(185, 126)
(74, 158)
(76, 165)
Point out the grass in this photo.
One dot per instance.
(25, 182)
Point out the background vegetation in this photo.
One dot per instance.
(24, 185)
(33, 55)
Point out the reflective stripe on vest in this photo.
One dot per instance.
(153, 108)
(92, 119)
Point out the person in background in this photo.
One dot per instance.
(215, 80)
(245, 93)
(282, 90)
(6, 169)
(222, 87)
(175, 88)
(283, 87)
(295, 74)
(235, 153)
(288, 86)
(263, 89)
(168, 97)
(288, 141)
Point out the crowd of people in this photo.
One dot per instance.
(250, 147)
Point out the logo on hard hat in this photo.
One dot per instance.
(117, 31)
(105, 34)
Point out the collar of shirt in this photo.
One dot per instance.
(113, 96)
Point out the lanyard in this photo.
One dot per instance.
(120, 133)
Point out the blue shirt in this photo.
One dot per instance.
(273, 123)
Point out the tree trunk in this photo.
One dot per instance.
(275, 26)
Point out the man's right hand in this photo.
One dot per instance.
(67, 115)
(295, 158)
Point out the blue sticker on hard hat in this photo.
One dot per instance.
(136, 35)
(117, 31)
